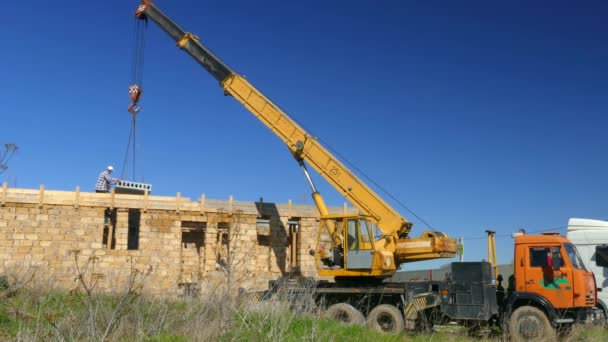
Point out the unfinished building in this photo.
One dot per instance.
(64, 238)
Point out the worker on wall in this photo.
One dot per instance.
(105, 181)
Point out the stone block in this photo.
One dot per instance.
(42, 217)
(37, 250)
(27, 243)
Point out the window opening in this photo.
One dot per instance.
(294, 227)
(193, 235)
(538, 257)
(109, 229)
(133, 232)
(601, 256)
(575, 258)
(352, 239)
(557, 256)
(223, 242)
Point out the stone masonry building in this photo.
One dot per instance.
(57, 237)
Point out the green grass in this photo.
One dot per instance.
(262, 327)
(32, 315)
(9, 326)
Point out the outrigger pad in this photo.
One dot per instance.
(133, 188)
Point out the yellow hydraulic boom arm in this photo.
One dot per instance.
(306, 148)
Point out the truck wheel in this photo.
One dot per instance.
(529, 323)
(385, 318)
(345, 313)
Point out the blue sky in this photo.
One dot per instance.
(474, 114)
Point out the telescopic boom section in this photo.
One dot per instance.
(303, 146)
(185, 40)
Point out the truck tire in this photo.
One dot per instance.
(385, 318)
(529, 323)
(345, 313)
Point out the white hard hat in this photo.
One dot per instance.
(110, 168)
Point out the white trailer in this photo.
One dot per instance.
(591, 240)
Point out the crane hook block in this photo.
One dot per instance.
(135, 93)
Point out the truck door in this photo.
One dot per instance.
(358, 244)
(541, 277)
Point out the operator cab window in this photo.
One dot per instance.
(365, 230)
(359, 232)
(377, 233)
(352, 238)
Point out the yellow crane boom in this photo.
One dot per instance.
(396, 245)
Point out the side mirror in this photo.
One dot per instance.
(556, 265)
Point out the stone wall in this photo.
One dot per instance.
(66, 239)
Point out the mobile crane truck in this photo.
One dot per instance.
(360, 251)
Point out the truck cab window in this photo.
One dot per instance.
(575, 258)
(601, 256)
(538, 257)
(557, 256)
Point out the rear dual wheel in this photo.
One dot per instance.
(385, 318)
(346, 313)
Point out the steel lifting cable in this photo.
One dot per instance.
(381, 188)
(131, 138)
(135, 90)
(378, 186)
(364, 175)
(137, 67)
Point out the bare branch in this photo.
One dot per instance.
(6, 155)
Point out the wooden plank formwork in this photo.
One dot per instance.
(145, 202)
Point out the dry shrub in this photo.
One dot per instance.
(587, 333)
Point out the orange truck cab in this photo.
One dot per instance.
(550, 286)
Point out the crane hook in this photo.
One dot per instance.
(135, 92)
(134, 108)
